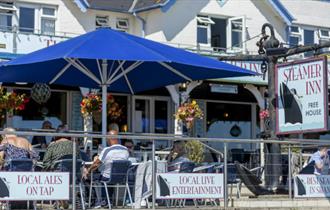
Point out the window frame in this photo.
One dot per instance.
(47, 17)
(322, 36)
(204, 21)
(121, 27)
(99, 19)
(229, 34)
(38, 16)
(35, 18)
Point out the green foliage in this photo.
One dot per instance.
(195, 151)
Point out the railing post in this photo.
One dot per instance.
(290, 172)
(153, 174)
(74, 160)
(225, 188)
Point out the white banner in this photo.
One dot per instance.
(189, 186)
(34, 185)
(312, 186)
(301, 95)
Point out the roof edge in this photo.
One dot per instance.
(282, 11)
(82, 5)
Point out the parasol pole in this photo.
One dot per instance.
(104, 101)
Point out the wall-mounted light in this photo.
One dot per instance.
(183, 87)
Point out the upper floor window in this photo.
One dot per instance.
(48, 19)
(37, 19)
(6, 15)
(324, 34)
(203, 29)
(295, 36)
(122, 24)
(302, 35)
(101, 21)
(26, 19)
(221, 34)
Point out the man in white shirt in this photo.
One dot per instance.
(103, 161)
(319, 158)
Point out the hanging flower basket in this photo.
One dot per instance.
(12, 101)
(263, 114)
(188, 112)
(91, 103)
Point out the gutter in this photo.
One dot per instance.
(142, 21)
(143, 24)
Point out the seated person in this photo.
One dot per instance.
(40, 141)
(13, 147)
(177, 155)
(319, 158)
(103, 161)
(128, 143)
(60, 148)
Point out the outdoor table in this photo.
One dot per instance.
(202, 168)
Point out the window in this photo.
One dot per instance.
(294, 29)
(48, 19)
(294, 36)
(202, 35)
(236, 33)
(122, 24)
(101, 21)
(202, 20)
(308, 40)
(294, 41)
(55, 109)
(26, 19)
(324, 34)
(6, 14)
(308, 37)
(5, 21)
(203, 29)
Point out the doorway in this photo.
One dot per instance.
(152, 114)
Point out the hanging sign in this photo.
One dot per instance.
(34, 185)
(189, 186)
(301, 96)
(312, 186)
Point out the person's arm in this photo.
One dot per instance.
(319, 164)
(47, 157)
(97, 162)
(1, 159)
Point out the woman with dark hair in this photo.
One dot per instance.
(60, 148)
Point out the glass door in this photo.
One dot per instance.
(151, 115)
(161, 120)
(142, 115)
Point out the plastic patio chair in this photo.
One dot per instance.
(118, 179)
(65, 165)
(26, 165)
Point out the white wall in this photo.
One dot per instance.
(309, 12)
(179, 25)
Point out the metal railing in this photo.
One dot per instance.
(289, 143)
